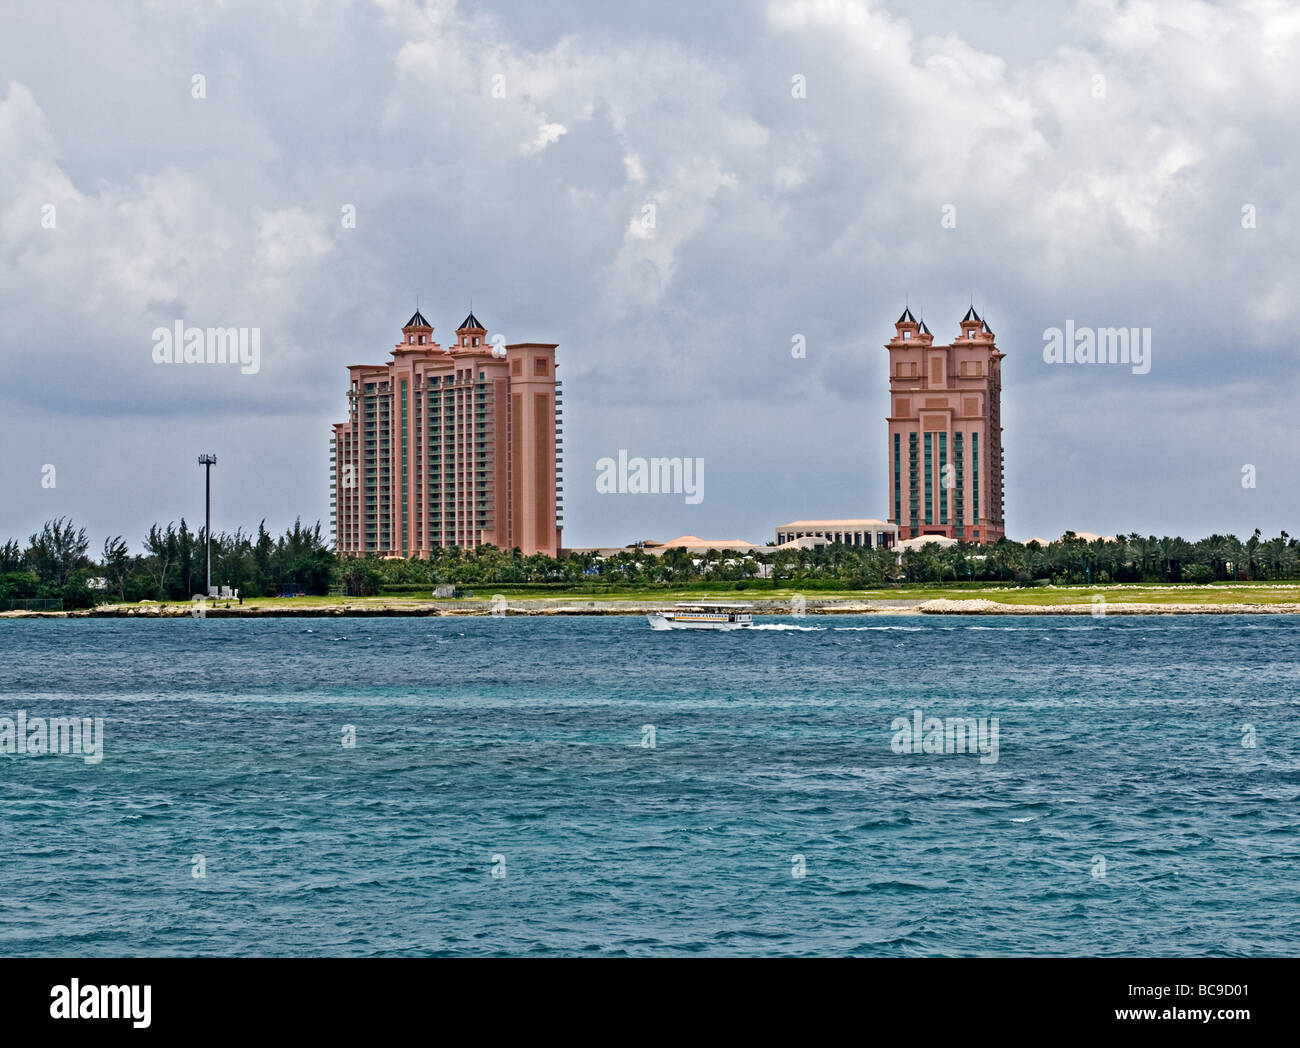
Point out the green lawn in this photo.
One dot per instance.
(1129, 593)
(1126, 593)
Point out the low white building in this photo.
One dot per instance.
(812, 534)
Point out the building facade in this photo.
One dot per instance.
(865, 531)
(945, 432)
(449, 447)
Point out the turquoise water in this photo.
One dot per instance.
(516, 745)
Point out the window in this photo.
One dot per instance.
(943, 478)
(539, 366)
(516, 367)
(960, 490)
(912, 493)
(476, 340)
(405, 536)
(929, 480)
(898, 478)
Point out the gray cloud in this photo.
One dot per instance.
(1109, 202)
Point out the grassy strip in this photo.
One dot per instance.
(1038, 596)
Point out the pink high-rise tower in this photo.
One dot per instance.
(449, 447)
(945, 432)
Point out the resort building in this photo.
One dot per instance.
(459, 446)
(694, 544)
(945, 432)
(812, 533)
(1086, 536)
(921, 541)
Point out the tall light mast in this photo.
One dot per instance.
(207, 462)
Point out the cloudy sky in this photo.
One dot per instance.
(1111, 164)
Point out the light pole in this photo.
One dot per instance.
(207, 462)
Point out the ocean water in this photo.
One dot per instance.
(502, 796)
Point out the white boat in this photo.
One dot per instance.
(702, 616)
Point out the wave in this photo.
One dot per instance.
(791, 627)
(860, 629)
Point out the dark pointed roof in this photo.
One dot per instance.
(417, 320)
(924, 330)
(971, 315)
(471, 321)
(906, 318)
(986, 329)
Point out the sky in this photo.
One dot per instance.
(675, 193)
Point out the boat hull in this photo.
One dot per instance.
(668, 621)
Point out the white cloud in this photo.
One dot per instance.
(547, 134)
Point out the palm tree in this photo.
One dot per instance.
(1144, 552)
(1271, 555)
(1252, 553)
(952, 560)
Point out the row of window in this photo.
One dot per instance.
(867, 539)
(957, 478)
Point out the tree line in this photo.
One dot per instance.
(1070, 559)
(56, 563)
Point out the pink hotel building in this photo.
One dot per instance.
(449, 447)
(945, 432)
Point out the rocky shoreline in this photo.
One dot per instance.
(815, 606)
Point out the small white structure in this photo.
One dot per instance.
(942, 541)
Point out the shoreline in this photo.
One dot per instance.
(554, 607)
